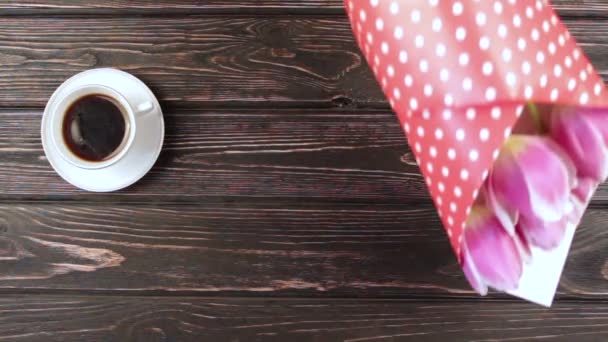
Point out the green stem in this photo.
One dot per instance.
(533, 110)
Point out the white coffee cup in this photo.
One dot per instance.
(58, 114)
(142, 142)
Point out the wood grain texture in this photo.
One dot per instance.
(253, 250)
(297, 155)
(272, 203)
(564, 7)
(215, 60)
(313, 250)
(581, 8)
(326, 155)
(291, 61)
(173, 6)
(149, 319)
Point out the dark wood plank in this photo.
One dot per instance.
(209, 60)
(581, 8)
(215, 60)
(244, 250)
(268, 154)
(173, 6)
(564, 7)
(79, 318)
(303, 250)
(217, 155)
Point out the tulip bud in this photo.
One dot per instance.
(506, 214)
(542, 234)
(582, 141)
(598, 118)
(490, 256)
(531, 177)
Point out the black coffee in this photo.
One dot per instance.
(94, 128)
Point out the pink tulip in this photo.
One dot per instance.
(542, 234)
(531, 177)
(582, 140)
(507, 217)
(523, 246)
(472, 275)
(490, 257)
(597, 116)
(506, 214)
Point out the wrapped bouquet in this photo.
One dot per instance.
(507, 120)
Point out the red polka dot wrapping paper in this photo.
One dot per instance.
(458, 74)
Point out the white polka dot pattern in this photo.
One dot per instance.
(457, 72)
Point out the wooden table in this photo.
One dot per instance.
(286, 205)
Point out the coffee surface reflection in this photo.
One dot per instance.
(94, 128)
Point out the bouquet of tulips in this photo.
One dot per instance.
(508, 121)
(541, 181)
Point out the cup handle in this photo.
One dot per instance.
(144, 108)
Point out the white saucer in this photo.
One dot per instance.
(140, 157)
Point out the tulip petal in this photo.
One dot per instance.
(598, 118)
(531, 177)
(565, 159)
(548, 184)
(544, 235)
(523, 247)
(470, 272)
(492, 250)
(505, 214)
(583, 142)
